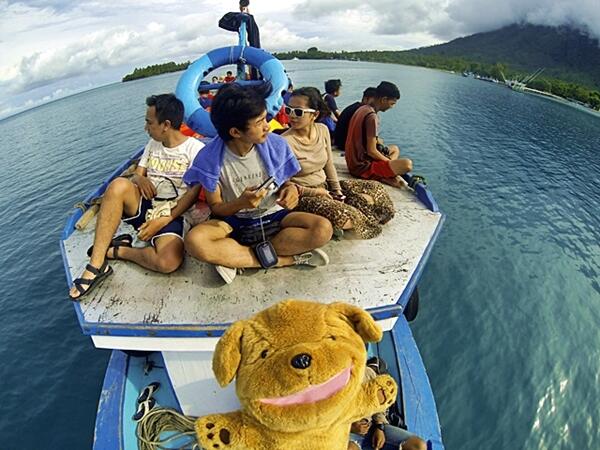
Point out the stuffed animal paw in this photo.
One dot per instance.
(387, 390)
(217, 431)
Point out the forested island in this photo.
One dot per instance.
(156, 69)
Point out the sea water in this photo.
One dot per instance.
(510, 300)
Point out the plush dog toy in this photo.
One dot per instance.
(299, 369)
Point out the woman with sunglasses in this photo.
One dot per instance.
(318, 184)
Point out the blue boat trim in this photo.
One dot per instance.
(108, 432)
(416, 276)
(190, 330)
(420, 408)
(78, 212)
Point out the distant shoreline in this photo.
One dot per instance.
(571, 92)
(579, 94)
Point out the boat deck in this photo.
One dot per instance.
(378, 275)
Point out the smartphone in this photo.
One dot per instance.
(265, 184)
(339, 198)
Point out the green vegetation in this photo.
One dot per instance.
(155, 69)
(572, 88)
(571, 60)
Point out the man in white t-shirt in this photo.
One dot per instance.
(153, 201)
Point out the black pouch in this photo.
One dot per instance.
(266, 255)
(383, 149)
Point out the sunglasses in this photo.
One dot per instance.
(298, 112)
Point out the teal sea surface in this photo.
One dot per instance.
(510, 300)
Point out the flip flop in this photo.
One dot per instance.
(99, 274)
(143, 409)
(122, 240)
(148, 391)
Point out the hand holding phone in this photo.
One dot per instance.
(265, 184)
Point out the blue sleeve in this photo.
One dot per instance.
(331, 103)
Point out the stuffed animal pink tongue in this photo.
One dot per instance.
(313, 394)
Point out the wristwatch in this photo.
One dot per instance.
(380, 426)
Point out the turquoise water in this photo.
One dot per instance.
(508, 326)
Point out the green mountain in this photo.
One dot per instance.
(565, 53)
(570, 58)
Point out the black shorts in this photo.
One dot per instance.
(249, 232)
(175, 227)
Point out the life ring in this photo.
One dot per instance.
(196, 117)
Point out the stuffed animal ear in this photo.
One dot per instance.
(228, 354)
(360, 320)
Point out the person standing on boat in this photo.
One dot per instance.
(229, 78)
(137, 201)
(231, 168)
(333, 89)
(366, 156)
(341, 129)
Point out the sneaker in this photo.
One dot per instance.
(338, 234)
(227, 273)
(315, 258)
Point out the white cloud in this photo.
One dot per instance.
(66, 43)
(452, 18)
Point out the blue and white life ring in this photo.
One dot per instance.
(196, 117)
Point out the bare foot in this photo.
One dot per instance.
(397, 182)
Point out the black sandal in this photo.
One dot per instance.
(99, 275)
(122, 240)
(416, 179)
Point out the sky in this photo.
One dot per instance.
(53, 48)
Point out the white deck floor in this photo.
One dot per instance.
(368, 273)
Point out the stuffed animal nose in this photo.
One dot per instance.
(301, 361)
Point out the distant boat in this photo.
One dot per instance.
(295, 59)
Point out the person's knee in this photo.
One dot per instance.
(119, 187)
(169, 263)
(321, 232)
(414, 443)
(198, 241)
(193, 243)
(401, 166)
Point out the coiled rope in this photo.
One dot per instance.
(160, 420)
